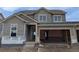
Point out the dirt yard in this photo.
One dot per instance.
(43, 49)
(14, 49)
(58, 49)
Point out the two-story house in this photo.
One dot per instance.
(39, 26)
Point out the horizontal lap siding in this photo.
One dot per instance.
(6, 31)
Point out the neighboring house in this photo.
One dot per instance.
(1, 19)
(39, 26)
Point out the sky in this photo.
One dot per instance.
(72, 13)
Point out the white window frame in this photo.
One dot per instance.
(61, 20)
(11, 28)
(42, 16)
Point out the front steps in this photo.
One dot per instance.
(29, 47)
(29, 44)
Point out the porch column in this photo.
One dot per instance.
(25, 31)
(73, 35)
(37, 40)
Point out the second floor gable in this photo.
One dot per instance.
(46, 16)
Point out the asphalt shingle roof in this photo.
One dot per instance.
(51, 11)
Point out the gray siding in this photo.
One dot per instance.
(43, 12)
(0, 29)
(6, 27)
(49, 16)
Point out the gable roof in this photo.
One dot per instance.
(42, 8)
(8, 18)
(51, 11)
(16, 15)
(36, 11)
(24, 17)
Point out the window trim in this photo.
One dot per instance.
(57, 18)
(42, 16)
(11, 28)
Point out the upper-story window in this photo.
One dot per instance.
(57, 18)
(42, 18)
(13, 30)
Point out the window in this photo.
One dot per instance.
(42, 18)
(13, 30)
(57, 18)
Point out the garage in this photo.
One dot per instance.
(55, 36)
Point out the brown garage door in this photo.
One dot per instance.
(54, 36)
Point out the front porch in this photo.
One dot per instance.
(28, 37)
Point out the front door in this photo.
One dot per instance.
(30, 33)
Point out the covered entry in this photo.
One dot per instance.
(55, 36)
(30, 33)
(77, 35)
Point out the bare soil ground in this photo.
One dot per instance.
(14, 49)
(43, 49)
(58, 49)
